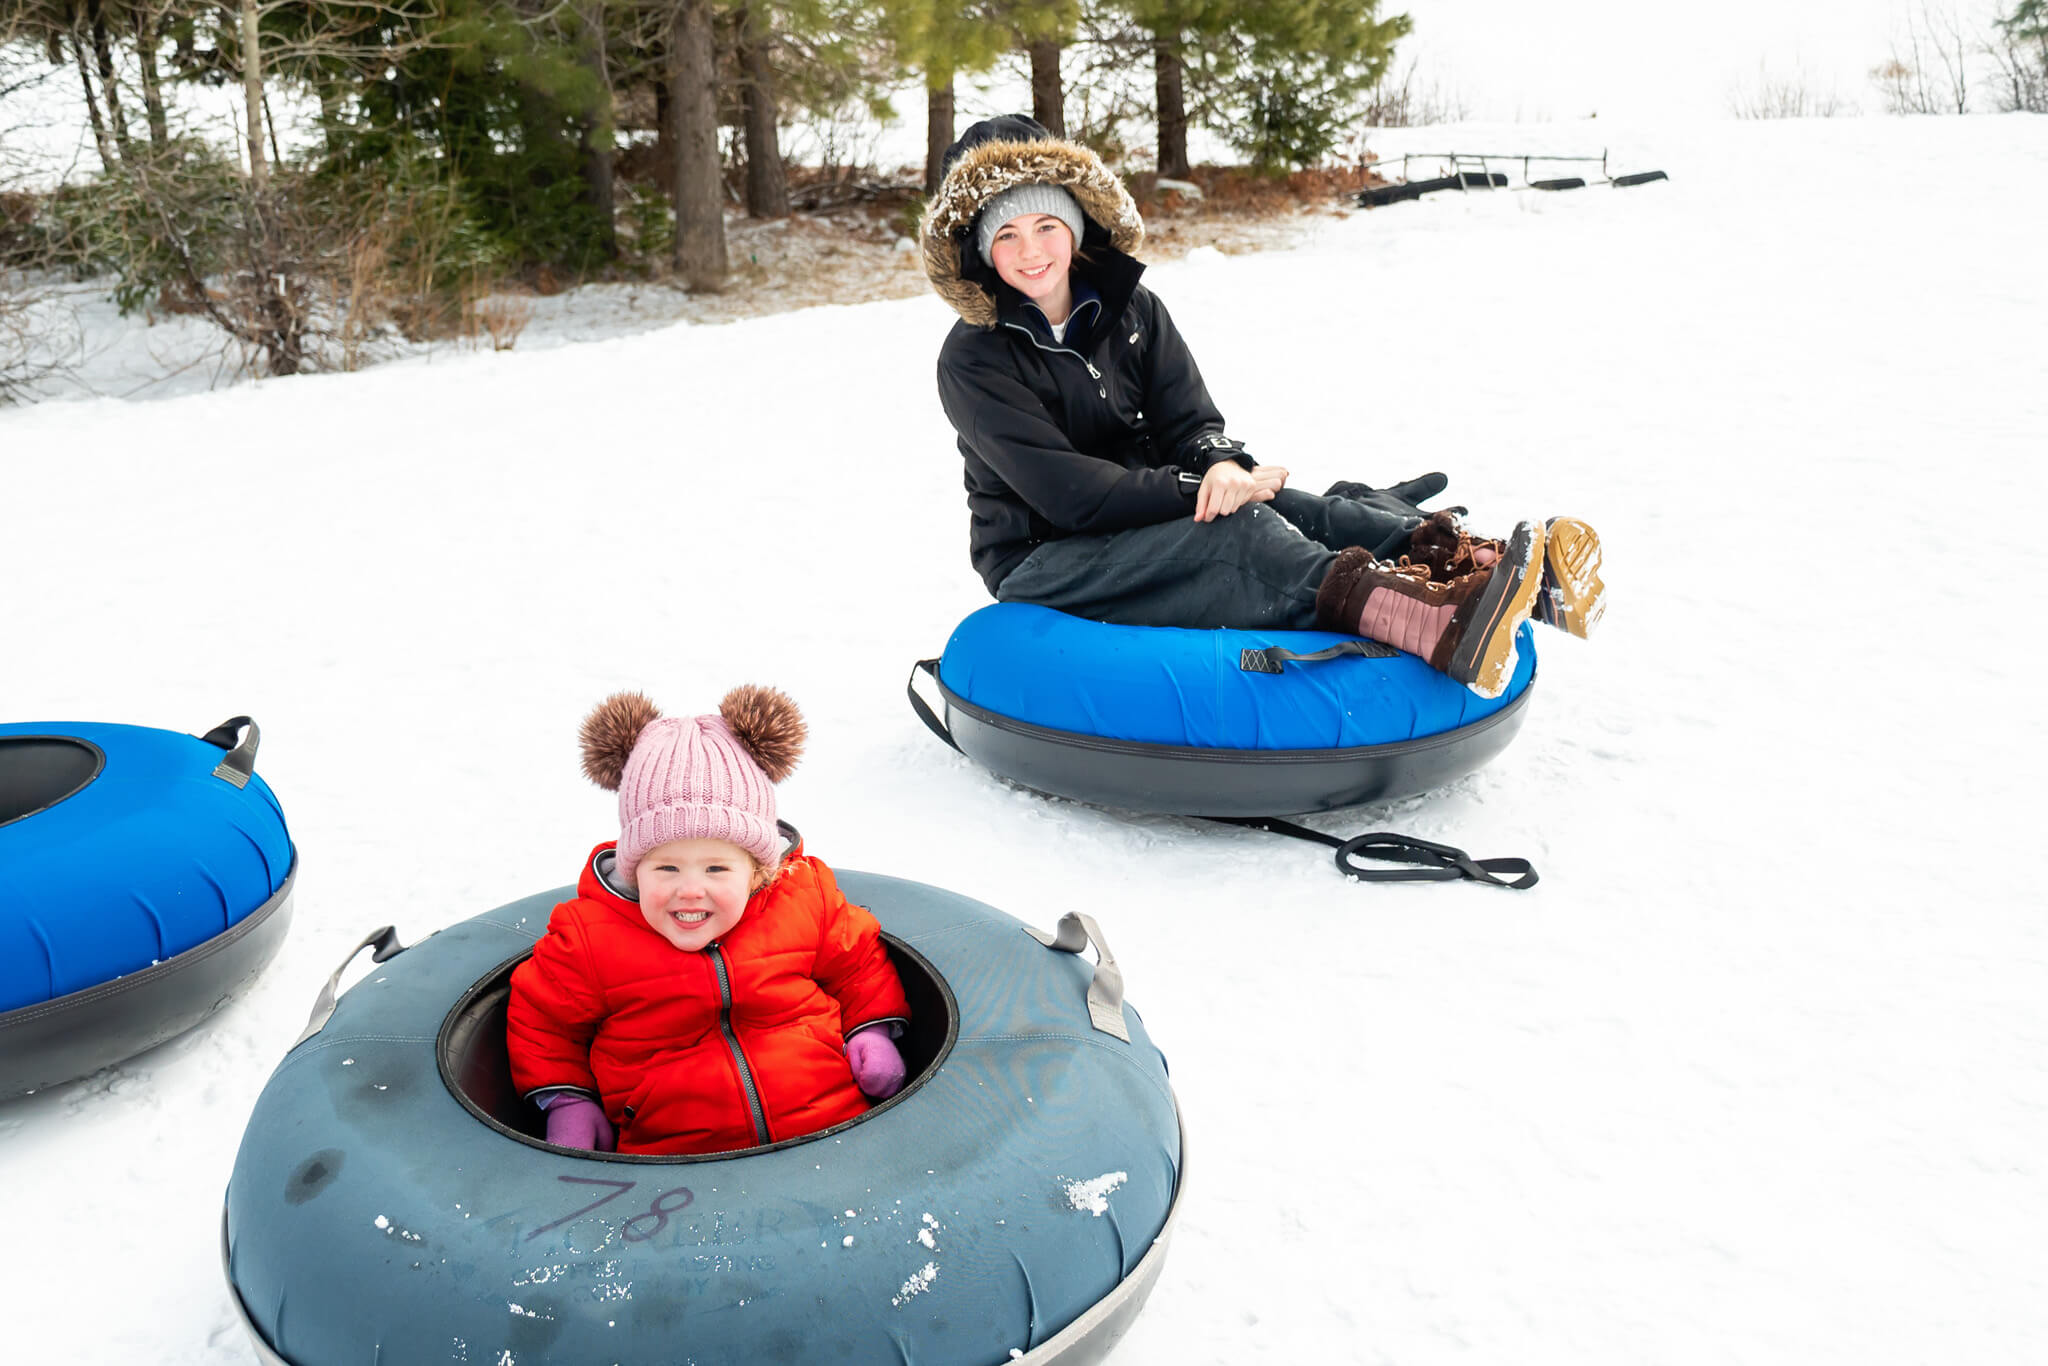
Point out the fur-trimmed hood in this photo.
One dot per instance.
(1001, 154)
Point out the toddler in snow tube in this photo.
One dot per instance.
(705, 990)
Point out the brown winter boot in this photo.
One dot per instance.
(1448, 550)
(1573, 597)
(1464, 628)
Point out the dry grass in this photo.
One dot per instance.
(497, 320)
(1240, 211)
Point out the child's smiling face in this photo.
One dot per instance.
(692, 892)
(1032, 253)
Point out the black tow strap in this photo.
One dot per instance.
(1432, 862)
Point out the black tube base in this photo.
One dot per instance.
(68, 1038)
(1185, 781)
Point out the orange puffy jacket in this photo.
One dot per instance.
(737, 1044)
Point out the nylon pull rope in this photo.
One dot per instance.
(1428, 861)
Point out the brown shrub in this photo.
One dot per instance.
(17, 212)
(1238, 191)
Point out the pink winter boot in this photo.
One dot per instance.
(1464, 628)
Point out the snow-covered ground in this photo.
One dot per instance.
(1759, 1073)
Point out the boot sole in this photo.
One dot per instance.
(1484, 659)
(1575, 597)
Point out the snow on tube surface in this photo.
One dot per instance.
(145, 877)
(1168, 720)
(393, 1203)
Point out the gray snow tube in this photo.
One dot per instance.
(393, 1203)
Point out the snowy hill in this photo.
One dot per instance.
(1757, 1074)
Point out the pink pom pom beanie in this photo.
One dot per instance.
(691, 778)
(697, 777)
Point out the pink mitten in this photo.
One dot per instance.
(877, 1065)
(578, 1122)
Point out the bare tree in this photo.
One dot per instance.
(256, 257)
(37, 338)
(249, 14)
(2018, 51)
(27, 58)
(1776, 96)
(92, 19)
(1403, 101)
(147, 18)
(78, 31)
(1951, 53)
(1928, 70)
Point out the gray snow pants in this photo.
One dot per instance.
(1260, 567)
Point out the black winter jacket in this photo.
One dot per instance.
(1111, 428)
(1074, 438)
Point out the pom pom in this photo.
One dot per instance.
(768, 724)
(609, 734)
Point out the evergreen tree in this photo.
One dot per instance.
(513, 112)
(767, 188)
(1178, 31)
(1043, 28)
(1284, 83)
(944, 40)
(836, 60)
(1279, 78)
(693, 104)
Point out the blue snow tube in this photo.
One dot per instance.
(145, 876)
(1209, 723)
(393, 1201)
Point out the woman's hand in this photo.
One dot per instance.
(1228, 486)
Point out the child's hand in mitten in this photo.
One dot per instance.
(877, 1064)
(578, 1122)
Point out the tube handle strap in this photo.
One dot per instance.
(240, 760)
(1271, 659)
(1106, 992)
(1427, 860)
(382, 943)
(923, 708)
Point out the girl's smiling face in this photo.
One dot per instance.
(1032, 253)
(692, 892)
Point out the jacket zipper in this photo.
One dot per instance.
(1101, 390)
(732, 1041)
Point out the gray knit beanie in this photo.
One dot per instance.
(1053, 199)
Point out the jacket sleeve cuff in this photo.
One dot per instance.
(895, 1027)
(547, 1095)
(1209, 448)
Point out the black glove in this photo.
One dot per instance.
(1400, 499)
